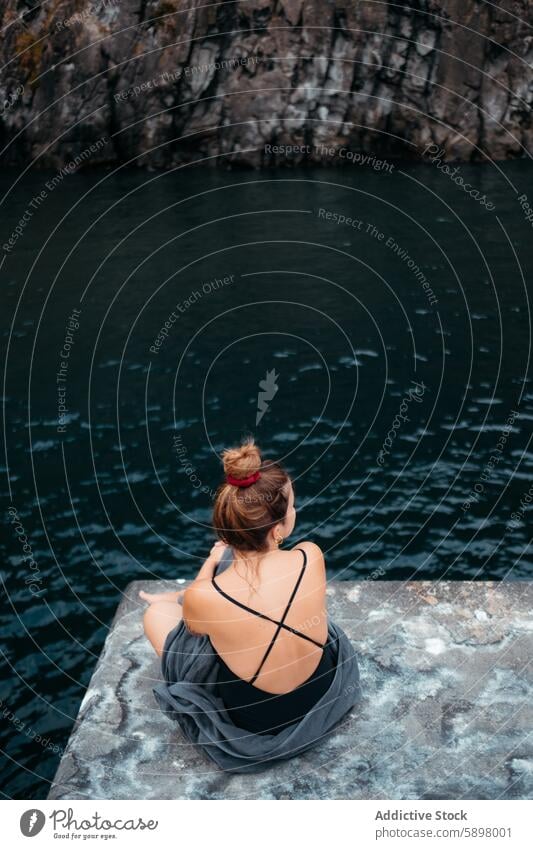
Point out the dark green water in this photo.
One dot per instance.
(344, 316)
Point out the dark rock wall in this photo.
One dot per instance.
(167, 81)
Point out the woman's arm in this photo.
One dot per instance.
(205, 573)
(196, 601)
(215, 556)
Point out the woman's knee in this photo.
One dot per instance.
(151, 611)
(159, 619)
(155, 613)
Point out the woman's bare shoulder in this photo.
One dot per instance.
(310, 548)
(200, 593)
(314, 554)
(199, 606)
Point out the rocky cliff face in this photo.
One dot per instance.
(167, 81)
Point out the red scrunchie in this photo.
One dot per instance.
(243, 481)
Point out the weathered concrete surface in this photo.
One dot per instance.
(446, 712)
(167, 81)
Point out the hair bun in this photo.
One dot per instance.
(243, 461)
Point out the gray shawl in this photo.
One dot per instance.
(189, 695)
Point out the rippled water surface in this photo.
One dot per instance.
(400, 343)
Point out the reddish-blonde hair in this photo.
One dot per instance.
(243, 516)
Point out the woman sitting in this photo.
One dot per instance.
(253, 670)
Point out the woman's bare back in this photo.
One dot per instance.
(241, 638)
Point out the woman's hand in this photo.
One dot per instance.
(217, 551)
(151, 598)
(213, 559)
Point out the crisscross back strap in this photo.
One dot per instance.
(280, 624)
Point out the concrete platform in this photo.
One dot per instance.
(447, 710)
